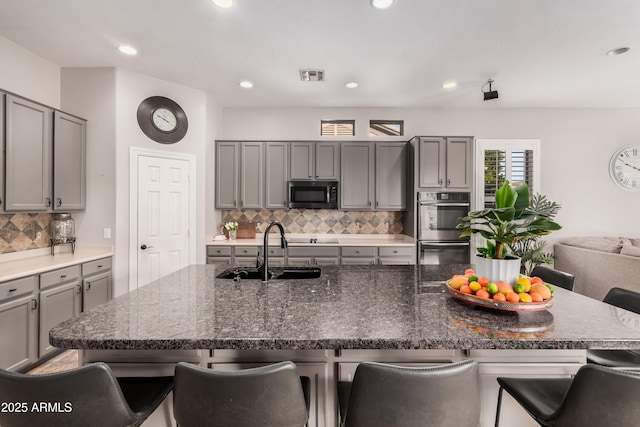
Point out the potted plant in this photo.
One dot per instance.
(512, 220)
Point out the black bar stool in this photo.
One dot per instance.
(383, 395)
(596, 396)
(266, 396)
(628, 300)
(89, 395)
(554, 277)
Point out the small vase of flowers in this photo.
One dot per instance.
(232, 228)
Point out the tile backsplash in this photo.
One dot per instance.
(320, 221)
(19, 232)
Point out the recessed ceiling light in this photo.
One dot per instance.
(223, 3)
(129, 50)
(381, 4)
(449, 85)
(351, 85)
(619, 51)
(246, 84)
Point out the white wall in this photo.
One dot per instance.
(28, 75)
(131, 89)
(90, 93)
(576, 147)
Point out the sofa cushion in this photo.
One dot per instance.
(604, 244)
(630, 250)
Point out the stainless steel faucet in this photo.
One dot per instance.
(264, 268)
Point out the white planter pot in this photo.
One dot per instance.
(506, 270)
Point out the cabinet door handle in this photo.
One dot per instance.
(440, 181)
(59, 202)
(88, 286)
(99, 266)
(63, 276)
(13, 290)
(48, 201)
(369, 203)
(145, 247)
(34, 303)
(79, 291)
(448, 182)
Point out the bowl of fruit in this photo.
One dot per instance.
(527, 294)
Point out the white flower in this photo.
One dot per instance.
(231, 226)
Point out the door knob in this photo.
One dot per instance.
(143, 247)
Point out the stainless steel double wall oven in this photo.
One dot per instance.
(438, 238)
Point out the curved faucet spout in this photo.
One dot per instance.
(264, 268)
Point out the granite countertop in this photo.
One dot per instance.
(348, 307)
(18, 265)
(323, 240)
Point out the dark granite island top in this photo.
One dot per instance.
(348, 307)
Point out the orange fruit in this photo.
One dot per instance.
(536, 297)
(465, 289)
(525, 297)
(499, 297)
(541, 289)
(504, 287)
(470, 271)
(512, 297)
(483, 281)
(482, 293)
(535, 279)
(458, 281)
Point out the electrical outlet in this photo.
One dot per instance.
(107, 233)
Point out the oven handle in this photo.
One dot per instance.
(444, 204)
(444, 243)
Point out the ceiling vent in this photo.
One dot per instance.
(312, 75)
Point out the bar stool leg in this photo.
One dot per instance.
(498, 408)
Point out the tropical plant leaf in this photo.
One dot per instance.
(505, 196)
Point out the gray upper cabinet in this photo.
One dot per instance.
(276, 161)
(251, 175)
(28, 141)
(444, 163)
(391, 176)
(357, 175)
(69, 162)
(314, 160)
(239, 175)
(227, 175)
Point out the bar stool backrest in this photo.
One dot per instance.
(554, 277)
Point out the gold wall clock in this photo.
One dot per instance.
(162, 120)
(624, 167)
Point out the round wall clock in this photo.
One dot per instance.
(624, 167)
(162, 120)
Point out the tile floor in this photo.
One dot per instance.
(63, 362)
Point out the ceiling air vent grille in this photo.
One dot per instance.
(312, 75)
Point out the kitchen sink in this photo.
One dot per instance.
(277, 273)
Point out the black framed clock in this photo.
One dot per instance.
(162, 119)
(624, 167)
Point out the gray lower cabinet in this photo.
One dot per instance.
(69, 162)
(239, 175)
(219, 255)
(396, 255)
(313, 255)
(60, 300)
(358, 255)
(96, 283)
(27, 145)
(276, 175)
(18, 323)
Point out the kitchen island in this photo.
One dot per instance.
(397, 314)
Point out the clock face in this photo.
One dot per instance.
(164, 119)
(624, 167)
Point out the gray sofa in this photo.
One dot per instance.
(600, 263)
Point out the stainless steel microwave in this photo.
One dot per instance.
(313, 194)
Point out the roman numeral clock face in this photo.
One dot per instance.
(624, 167)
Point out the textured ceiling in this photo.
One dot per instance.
(541, 53)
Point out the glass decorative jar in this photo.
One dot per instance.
(63, 231)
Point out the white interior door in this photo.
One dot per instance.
(163, 217)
